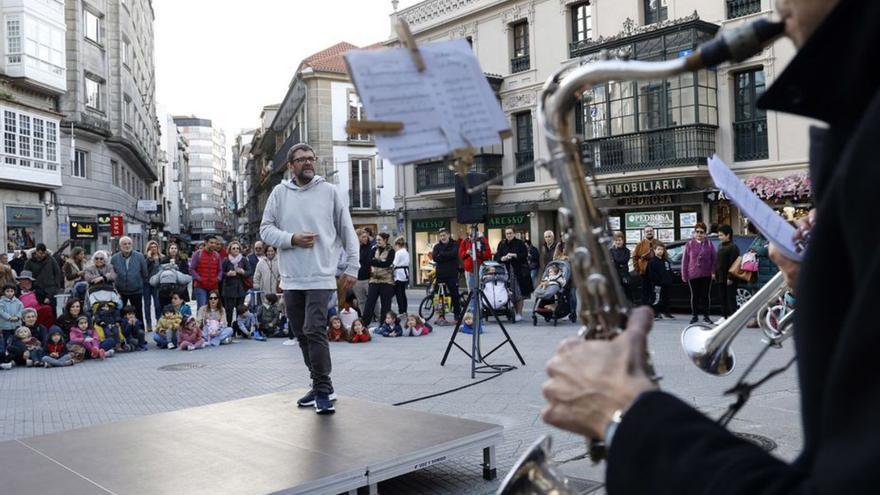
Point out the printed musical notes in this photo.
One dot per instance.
(446, 107)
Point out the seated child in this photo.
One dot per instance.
(551, 283)
(189, 336)
(269, 317)
(358, 332)
(166, 328)
(391, 327)
(335, 331)
(181, 307)
(415, 326)
(56, 350)
(467, 324)
(133, 329)
(348, 314)
(82, 334)
(25, 349)
(10, 314)
(245, 324)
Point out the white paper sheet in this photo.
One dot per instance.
(444, 108)
(773, 226)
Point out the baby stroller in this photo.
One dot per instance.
(494, 279)
(553, 302)
(101, 295)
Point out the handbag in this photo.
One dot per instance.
(750, 261)
(736, 271)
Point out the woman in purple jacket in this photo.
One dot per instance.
(697, 270)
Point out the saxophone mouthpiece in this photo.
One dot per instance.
(737, 44)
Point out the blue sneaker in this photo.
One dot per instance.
(308, 400)
(258, 336)
(323, 404)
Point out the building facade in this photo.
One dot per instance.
(241, 181)
(648, 141)
(319, 102)
(175, 161)
(207, 193)
(33, 75)
(110, 131)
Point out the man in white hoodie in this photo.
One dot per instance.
(307, 220)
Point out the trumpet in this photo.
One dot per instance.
(604, 307)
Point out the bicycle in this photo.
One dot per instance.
(438, 296)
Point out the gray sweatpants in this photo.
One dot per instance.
(307, 319)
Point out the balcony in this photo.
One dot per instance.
(740, 8)
(436, 176)
(519, 64)
(750, 140)
(524, 158)
(650, 150)
(29, 173)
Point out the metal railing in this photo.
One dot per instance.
(739, 8)
(523, 158)
(677, 146)
(519, 64)
(436, 176)
(750, 140)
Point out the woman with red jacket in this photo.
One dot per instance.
(484, 253)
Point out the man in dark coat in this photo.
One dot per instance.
(445, 255)
(48, 279)
(674, 448)
(514, 253)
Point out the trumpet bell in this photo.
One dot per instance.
(534, 473)
(698, 341)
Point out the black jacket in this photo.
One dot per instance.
(446, 258)
(519, 265)
(675, 449)
(621, 257)
(48, 278)
(727, 254)
(365, 253)
(659, 272)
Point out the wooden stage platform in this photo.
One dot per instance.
(257, 445)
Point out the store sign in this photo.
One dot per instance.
(83, 230)
(656, 219)
(116, 226)
(103, 220)
(23, 216)
(504, 221)
(648, 187)
(430, 224)
(147, 205)
(665, 199)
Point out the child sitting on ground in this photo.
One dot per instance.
(391, 327)
(348, 314)
(245, 324)
(26, 349)
(166, 328)
(269, 317)
(189, 336)
(180, 306)
(56, 350)
(85, 336)
(10, 314)
(335, 331)
(415, 326)
(358, 332)
(467, 324)
(133, 329)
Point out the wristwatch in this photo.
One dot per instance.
(611, 428)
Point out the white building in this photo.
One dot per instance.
(648, 140)
(32, 77)
(208, 176)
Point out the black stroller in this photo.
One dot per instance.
(553, 300)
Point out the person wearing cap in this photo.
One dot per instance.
(307, 220)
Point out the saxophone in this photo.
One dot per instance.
(604, 308)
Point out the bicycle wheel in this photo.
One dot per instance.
(426, 308)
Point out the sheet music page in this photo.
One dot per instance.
(773, 226)
(444, 108)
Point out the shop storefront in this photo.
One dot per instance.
(24, 227)
(424, 236)
(84, 233)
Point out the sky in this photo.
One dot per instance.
(225, 60)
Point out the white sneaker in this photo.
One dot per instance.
(110, 353)
(170, 346)
(6, 366)
(517, 318)
(289, 342)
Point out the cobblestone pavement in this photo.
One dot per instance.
(38, 401)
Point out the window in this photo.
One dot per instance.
(92, 26)
(114, 168)
(750, 122)
(80, 164)
(524, 147)
(361, 183)
(581, 22)
(520, 60)
(13, 40)
(24, 139)
(655, 11)
(126, 52)
(356, 112)
(739, 8)
(93, 93)
(126, 111)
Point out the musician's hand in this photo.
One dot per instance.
(790, 269)
(591, 379)
(804, 225)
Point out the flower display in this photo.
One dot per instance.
(793, 186)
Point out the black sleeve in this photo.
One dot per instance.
(378, 263)
(501, 251)
(447, 252)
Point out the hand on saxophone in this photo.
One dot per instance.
(591, 379)
(789, 268)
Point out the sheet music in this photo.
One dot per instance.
(444, 108)
(773, 226)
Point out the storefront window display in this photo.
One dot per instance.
(23, 228)
(424, 237)
(669, 225)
